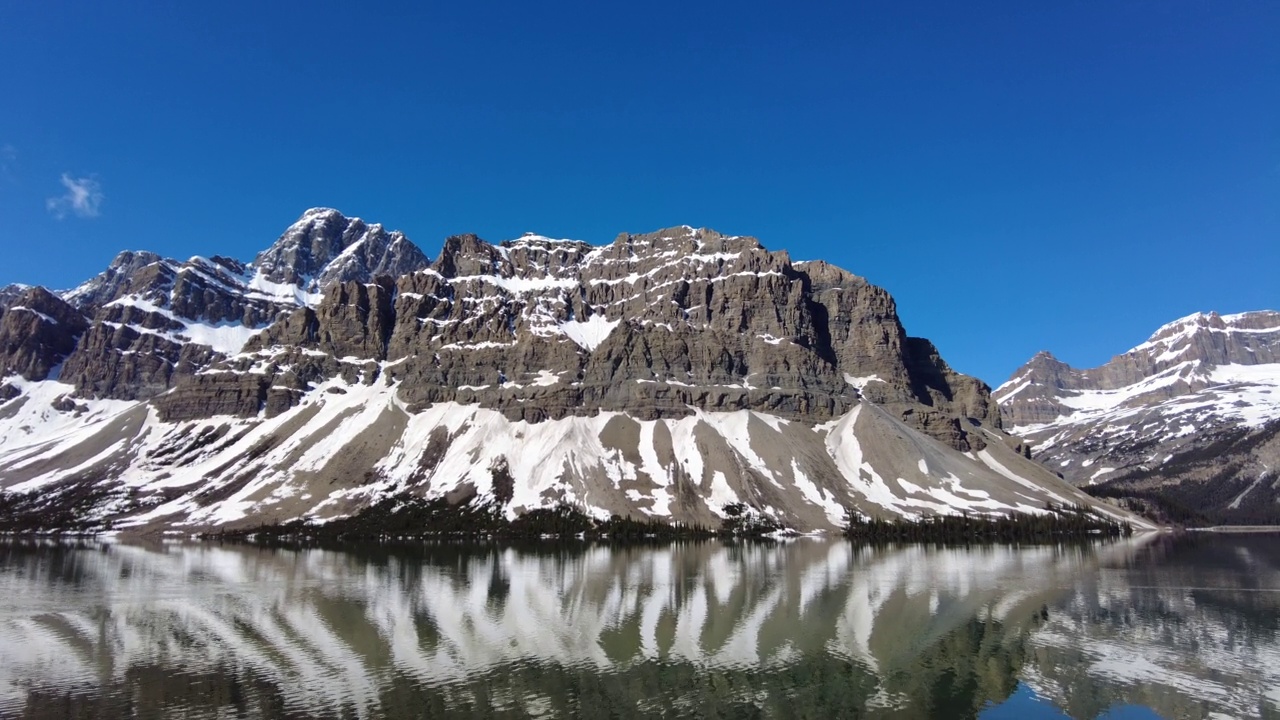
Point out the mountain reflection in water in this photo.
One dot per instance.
(1185, 627)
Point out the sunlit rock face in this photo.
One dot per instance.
(775, 630)
(1193, 412)
(660, 377)
(155, 321)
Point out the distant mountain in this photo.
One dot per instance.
(664, 375)
(1192, 413)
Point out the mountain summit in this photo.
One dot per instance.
(1194, 411)
(324, 246)
(147, 321)
(664, 375)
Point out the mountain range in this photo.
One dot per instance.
(663, 376)
(1192, 416)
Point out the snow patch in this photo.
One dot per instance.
(861, 382)
(42, 316)
(226, 338)
(588, 333)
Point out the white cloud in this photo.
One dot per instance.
(83, 198)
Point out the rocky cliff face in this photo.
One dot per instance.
(38, 330)
(10, 293)
(653, 325)
(1193, 412)
(664, 374)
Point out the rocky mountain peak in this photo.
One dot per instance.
(655, 324)
(153, 320)
(324, 246)
(11, 292)
(1211, 321)
(1183, 324)
(1042, 369)
(535, 257)
(685, 240)
(114, 281)
(467, 255)
(1208, 339)
(1043, 361)
(1188, 348)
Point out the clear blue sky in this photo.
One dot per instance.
(1020, 175)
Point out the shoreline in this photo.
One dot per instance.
(1240, 529)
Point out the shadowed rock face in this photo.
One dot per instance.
(37, 331)
(1192, 412)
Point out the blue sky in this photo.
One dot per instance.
(1020, 176)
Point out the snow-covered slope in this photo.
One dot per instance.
(1198, 404)
(346, 446)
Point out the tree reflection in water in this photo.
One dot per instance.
(808, 628)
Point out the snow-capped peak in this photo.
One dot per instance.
(321, 211)
(1254, 321)
(533, 237)
(325, 246)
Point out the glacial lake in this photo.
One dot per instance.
(1155, 626)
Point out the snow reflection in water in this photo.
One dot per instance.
(803, 629)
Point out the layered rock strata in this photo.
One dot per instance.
(654, 325)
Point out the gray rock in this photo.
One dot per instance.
(324, 246)
(129, 272)
(37, 331)
(146, 309)
(10, 293)
(653, 325)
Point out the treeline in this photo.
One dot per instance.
(66, 508)
(408, 517)
(1198, 487)
(1061, 522)
(1157, 506)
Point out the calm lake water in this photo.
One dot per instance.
(1152, 627)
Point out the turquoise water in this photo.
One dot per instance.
(1149, 627)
